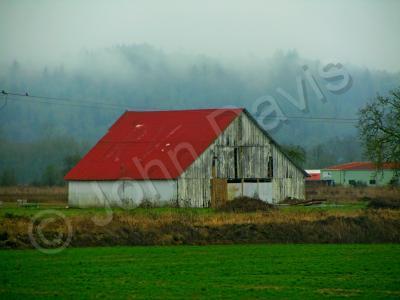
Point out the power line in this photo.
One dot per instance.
(74, 104)
(86, 103)
(314, 118)
(104, 105)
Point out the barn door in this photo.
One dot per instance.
(219, 192)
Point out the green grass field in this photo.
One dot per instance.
(12, 209)
(31, 211)
(231, 271)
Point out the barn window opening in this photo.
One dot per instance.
(270, 167)
(213, 161)
(254, 180)
(213, 167)
(372, 181)
(235, 157)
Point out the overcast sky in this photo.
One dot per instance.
(366, 33)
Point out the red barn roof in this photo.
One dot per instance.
(362, 166)
(152, 145)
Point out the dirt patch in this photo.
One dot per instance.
(246, 204)
(308, 202)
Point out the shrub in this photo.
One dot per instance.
(9, 215)
(395, 181)
(384, 203)
(146, 203)
(3, 236)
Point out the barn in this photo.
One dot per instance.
(187, 158)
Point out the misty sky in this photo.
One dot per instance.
(366, 33)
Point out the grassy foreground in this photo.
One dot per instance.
(168, 226)
(231, 271)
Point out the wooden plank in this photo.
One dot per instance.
(219, 192)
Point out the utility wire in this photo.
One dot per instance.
(66, 100)
(74, 104)
(104, 105)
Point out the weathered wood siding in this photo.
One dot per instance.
(254, 149)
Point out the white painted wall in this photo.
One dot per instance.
(260, 190)
(265, 191)
(124, 193)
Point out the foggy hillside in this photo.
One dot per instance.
(142, 77)
(89, 91)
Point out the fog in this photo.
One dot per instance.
(358, 32)
(174, 54)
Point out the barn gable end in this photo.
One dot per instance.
(254, 150)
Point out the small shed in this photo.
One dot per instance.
(194, 158)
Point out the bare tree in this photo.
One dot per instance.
(379, 126)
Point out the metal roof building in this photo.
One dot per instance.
(314, 175)
(196, 158)
(361, 173)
